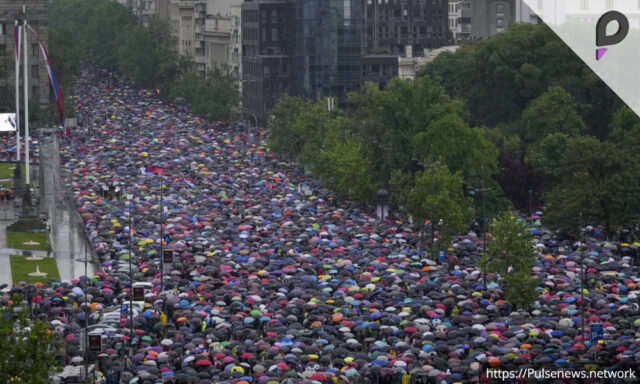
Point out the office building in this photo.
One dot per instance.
(393, 25)
(310, 48)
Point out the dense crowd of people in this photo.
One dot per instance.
(273, 280)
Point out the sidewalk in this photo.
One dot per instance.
(66, 236)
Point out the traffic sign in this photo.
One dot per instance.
(596, 333)
(123, 319)
(441, 256)
(124, 308)
(168, 256)
(138, 293)
(95, 343)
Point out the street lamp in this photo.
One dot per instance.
(382, 195)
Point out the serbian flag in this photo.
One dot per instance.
(189, 183)
(53, 78)
(148, 171)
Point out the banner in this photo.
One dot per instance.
(53, 78)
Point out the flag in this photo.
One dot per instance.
(148, 171)
(189, 183)
(53, 78)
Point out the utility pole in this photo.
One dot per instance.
(581, 284)
(18, 42)
(484, 226)
(86, 316)
(25, 82)
(161, 235)
(131, 279)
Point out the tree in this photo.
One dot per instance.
(547, 156)
(145, 54)
(390, 118)
(553, 112)
(340, 165)
(510, 254)
(463, 150)
(500, 76)
(65, 52)
(437, 195)
(600, 183)
(25, 352)
(520, 289)
(297, 127)
(624, 130)
(510, 246)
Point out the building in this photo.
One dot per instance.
(455, 13)
(330, 41)
(267, 55)
(393, 25)
(208, 32)
(37, 17)
(307, 48)
(479, 19)
(380, 69)
(524, 14)
(147, 9)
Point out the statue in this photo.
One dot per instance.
(27, 204)
(18, 183)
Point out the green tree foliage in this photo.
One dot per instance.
(96, 25)
(340, 166)
(553, 112)
(520, 289)
(510, 253)
(500, 76)
(108, 35)
(547, 156)
(66, 53)
(437, 195)
(297, 126)
(145, 54)
(510, 246)
(625, 130)
(463, 150)
(600, 184)
(213, 95)
(25, 352)
(391, 118)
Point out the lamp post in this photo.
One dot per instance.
(130, 278)
(382, 196)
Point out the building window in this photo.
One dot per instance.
(34, 49)
(274, 17)
(3, 29)
(34, 71)
(3, 49)
(500, 8)
(35, 90)
(274, 34)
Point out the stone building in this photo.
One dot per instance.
(37, 17)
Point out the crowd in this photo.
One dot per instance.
(275, 281)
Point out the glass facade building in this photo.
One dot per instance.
(307, 48)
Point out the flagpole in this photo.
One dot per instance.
(25, 53)
(18, 38)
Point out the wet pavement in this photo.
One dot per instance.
(66, 231)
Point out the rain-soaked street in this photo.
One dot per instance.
(66, 231)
